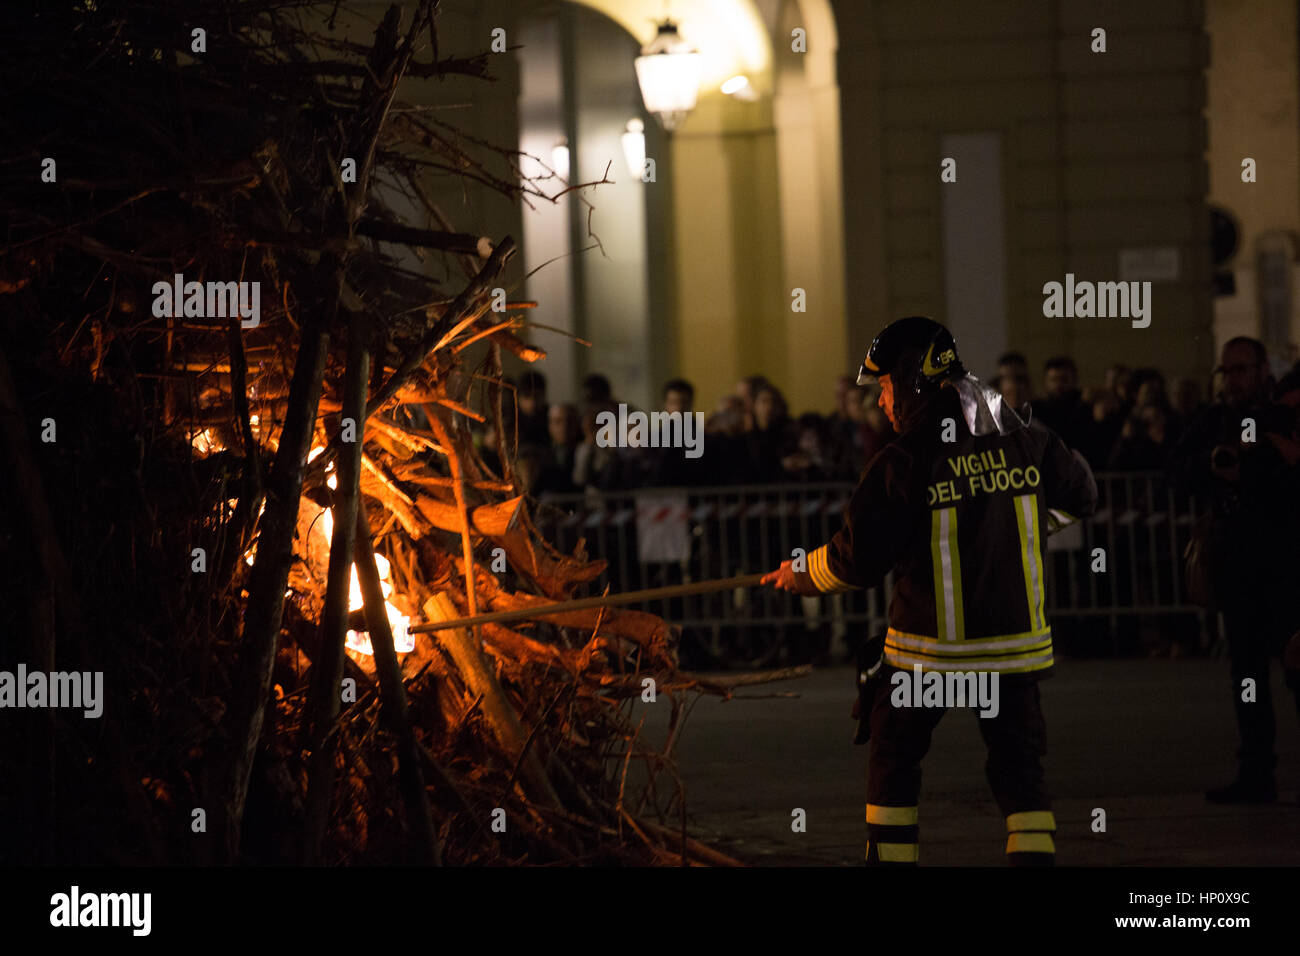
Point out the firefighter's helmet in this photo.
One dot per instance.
(917, 353)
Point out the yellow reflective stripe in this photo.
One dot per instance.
(955, 556)
(929, 645)
(1030, 559)
(1036, 549)
(1031, 820)
(1029, 843)
(812, 570)
(946, 562)
(891, 816)
(822, 575)
(940, 590)
(1006, 665)
(897, 852)
(992, 654)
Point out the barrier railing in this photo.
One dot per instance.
(654, 537)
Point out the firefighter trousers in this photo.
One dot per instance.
(1016, 741)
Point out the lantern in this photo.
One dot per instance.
(668, 71)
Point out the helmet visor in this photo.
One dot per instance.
(869, 371)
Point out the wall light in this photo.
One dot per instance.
(634, 147)
(560, 159)
(740, 87)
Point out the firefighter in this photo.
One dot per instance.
(958, 507)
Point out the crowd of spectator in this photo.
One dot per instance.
(1131, 422)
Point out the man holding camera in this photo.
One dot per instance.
(1241, 455)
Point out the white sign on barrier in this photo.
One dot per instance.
(662, 532)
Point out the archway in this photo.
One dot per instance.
(746, 206)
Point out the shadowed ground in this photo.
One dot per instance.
(1141, 739)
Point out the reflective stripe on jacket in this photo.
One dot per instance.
(963, 524)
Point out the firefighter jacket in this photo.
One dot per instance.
(963, 524)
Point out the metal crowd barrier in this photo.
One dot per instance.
(652, 537)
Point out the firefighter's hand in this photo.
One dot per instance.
(784, 579)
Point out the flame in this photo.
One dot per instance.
(359, 641)
(332, 480)
(206, 443)
(251, 554)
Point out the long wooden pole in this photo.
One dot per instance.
(610, 600)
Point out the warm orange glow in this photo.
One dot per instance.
(886, 400)
(359, 641)
(206, 443)
(251, 553)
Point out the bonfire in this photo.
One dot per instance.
(242, 520)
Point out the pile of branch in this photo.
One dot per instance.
(353, 404)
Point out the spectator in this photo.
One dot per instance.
(679, 396)
(1287, 396)
(770, 439)
(564, 427)
(669, 467)
(1117, 377)
(1111, 408)
(595, 466)
(1062, 408)
(1288, 389)
(847, 393)
(1013, 380)
(531, 400)
(1187, 398)
(726, 455)
(529, 465)
(596, 390)
(814, 455)
(845, 425)
(1149, 389)
(560, 456)
(1145, 443)
(747, 389)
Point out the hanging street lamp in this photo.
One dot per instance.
(668, 71)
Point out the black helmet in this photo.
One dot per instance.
(917, 353)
